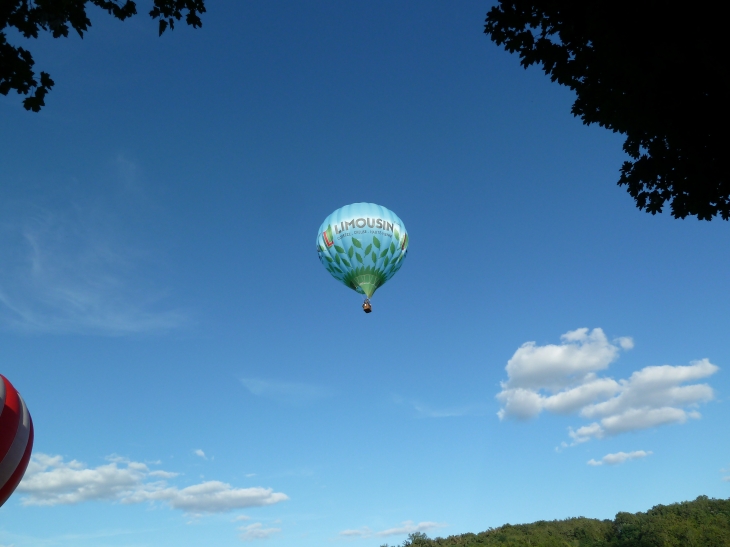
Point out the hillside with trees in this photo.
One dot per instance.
(703, 522)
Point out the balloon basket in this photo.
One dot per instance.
(366, 307)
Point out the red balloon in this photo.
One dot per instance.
(16, 438)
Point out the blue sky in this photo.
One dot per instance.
(196, 377)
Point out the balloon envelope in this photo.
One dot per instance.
(362, 245)
(16, 438)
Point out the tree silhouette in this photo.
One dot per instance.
(656, 72)
(29, 17)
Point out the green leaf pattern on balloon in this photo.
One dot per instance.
(346, 261)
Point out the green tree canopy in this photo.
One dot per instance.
(30, 17)
(703, 522)
(656, 72)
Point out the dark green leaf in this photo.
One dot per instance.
(359, 258)
(385, 252)
(356, 243)
(376, 242)
(374, 256)
(367, 249)
(339, 249)
(346, 263)
(351, 251)
(392, 247)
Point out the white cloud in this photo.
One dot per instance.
(626, 342)
(200, 453)
(428, 411)
(651, 397)
(575, 398)
(207, 497)
(357, 533)
(285, 392)
(49, 480)
(67, 268)
(407, 527)
(657, 387)
(256, 531)
(563, 379)
(585, 433)
(620, 457)
(448, 412)
(555, 367)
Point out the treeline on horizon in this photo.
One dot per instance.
(704, 522)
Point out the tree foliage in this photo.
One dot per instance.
(656, 72)
(30, 17)
(703, 522)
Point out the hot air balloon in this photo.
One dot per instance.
(362, 245)
(16, 438)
